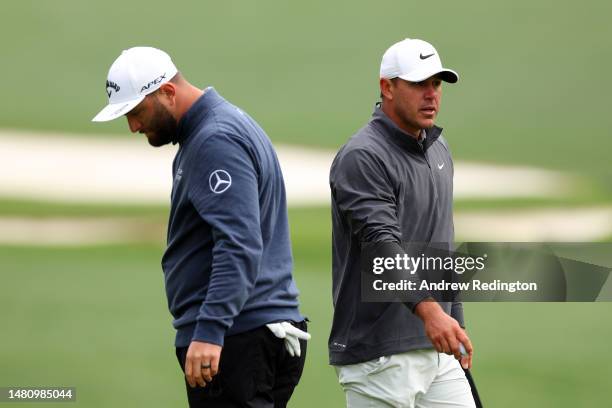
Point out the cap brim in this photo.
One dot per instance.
(447, 75)
(114, 110)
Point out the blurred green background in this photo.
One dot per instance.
(533, 91)
(533, 83)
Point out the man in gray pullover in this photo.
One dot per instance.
(392, 184)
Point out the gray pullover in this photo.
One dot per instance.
(386, 187)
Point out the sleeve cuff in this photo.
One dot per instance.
(418, 297)
(457, 314)
(209, 331)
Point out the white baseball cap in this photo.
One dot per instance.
(136, 73)
(415, 61)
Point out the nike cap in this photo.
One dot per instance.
(136, 73)
(415, 61)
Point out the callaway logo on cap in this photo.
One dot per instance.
(415, 61)
(136, 73)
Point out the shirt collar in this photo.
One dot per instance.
(196, 114)
(398, 136)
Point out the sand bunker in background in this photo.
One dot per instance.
(97, 170)
(91, 169)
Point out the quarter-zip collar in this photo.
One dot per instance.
(196, 114)
(381, 122)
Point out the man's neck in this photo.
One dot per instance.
(417, 134)
(190, 95)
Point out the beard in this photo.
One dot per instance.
(163, 127)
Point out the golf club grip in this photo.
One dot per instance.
(470, 379)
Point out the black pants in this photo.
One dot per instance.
(255, 371)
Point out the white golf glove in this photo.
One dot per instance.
(291, 335)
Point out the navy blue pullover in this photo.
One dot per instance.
(228, 264)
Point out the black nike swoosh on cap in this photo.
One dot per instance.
(425, 56)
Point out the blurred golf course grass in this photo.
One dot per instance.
(532, 91)
(532, 86)
(96, 318)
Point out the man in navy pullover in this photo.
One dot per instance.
(228, 264)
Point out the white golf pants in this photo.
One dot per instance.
(415, 379)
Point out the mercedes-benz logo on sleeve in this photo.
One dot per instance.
(219, 181)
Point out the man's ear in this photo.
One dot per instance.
(167, 92)
(386, 86)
